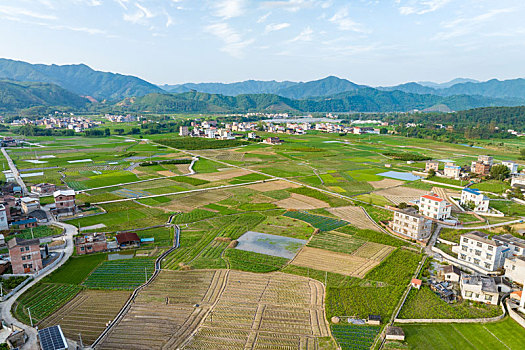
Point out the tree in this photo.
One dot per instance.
(383, 131)
(431, 173)
(107, 132)
(499, 172)
(402, 205)
(119, 131)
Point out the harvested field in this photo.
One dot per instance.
(401, 194)
(357, 264)
(87, 314)
(324, 260)
(236, 310)
(183, 168)
(355, 216)
(298, 201)
(223, 155)
(222, 175)
(272, 186)
(385, 183)
(166, 173)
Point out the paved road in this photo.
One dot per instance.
(15, 171)
(6, 306)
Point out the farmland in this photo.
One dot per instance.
(120, 274)
(277, 311)
(351, 337)
(317, 221)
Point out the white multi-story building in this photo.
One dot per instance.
(513, 166)
(482, 253)
(29, 204)
(515, 268)
(452, 170)
(489, 160)
(411, 224)
(434, 207)
(4, 225)
(476, 198)
(515, 244)
(184, 131)
(431, 164)
(479, 288)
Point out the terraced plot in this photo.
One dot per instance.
(227, 309)
(298, 201)
(323, 223)
(336, 242)
(87, 314)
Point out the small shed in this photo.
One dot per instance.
(128, 240)
(450, 273)
(394, 333)
(374, 320)
(516, 295)
(416, 283)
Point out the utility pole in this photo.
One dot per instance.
(326, 278)
(30, 318)
(146, 273)
(32, 235)
(81, 344)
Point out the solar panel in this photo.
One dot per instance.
(52, 338)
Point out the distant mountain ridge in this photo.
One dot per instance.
(78, 78)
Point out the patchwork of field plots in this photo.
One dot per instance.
(355, 216)
(323, 223)
(222, 175)
(227, 309)
(398, 195)
(121, 274)
(87, 314)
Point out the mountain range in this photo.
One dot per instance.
(67, 85)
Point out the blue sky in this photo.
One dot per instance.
(369, 42)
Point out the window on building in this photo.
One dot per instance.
(479, 244)
(468, 294)
(491, 248)
(27, 249)
(477, 296)
(488, 297)
(463, 256)
(476, 261)
(478, 252)
(22, 249)
(465, 240)
(464, 248)
(489, 256)
(30, 266)
(487, 265)
(25, 266)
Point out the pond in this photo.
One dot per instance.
(273, 245)
(400, 175)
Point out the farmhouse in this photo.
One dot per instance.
(374, 320)
(479, 288)
(43, 188)
(394, 333)
(65, 202)
(474, 198)
(29, 204)
(434, 207)
(25, 255)
(449, 273)
(91, 243)
(273, 141)
(480, 168)
(513, 166)
(410, 223)
(416, 283)
(184, 131)
(452, 170)
(431, 164)
(486, 254)
(128, 240)
(27, 223)
(516, 245)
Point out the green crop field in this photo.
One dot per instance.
(504, 335)
(42, 300)
(253, 262)
(321, 222)
(121, 274)
(350, 337)
(335, 242)
(76, 269)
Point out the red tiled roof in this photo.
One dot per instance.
(416, 281)
(433, 198)
(127, 237)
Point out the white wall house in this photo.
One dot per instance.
(4, 225)
(434, 207)
(431, 164)
(515, 244)
(479, 288)
(515, 269)
(411, 224)
(475, 197)
(452, 170)
(485, 254)
(513, 166)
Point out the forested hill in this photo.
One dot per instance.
(16, 96)
(79, 79)
(360, 100)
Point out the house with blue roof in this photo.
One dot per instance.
(473, 199)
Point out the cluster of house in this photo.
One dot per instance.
(122, 118)
(480, 167)
(97, 242)
(78, 124)
(337, 128)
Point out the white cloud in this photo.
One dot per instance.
(234, 44)
(16, 12)
(291, 5)
(342, 19)
(305, 35)
(466, 25)
(263, 18)
(422, 7)
(140, 16)
(229, 8)
(275, 27)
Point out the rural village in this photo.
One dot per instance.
(279, 233)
